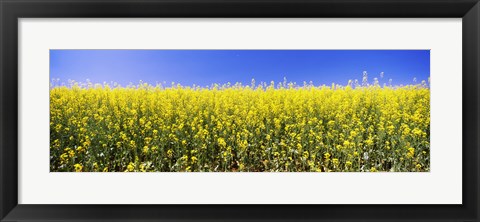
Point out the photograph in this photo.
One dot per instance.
(277, 110)
(239, 110)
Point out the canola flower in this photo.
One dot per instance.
(237, 128)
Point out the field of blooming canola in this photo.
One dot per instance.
(234, 128)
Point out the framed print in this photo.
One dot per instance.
(226, 110)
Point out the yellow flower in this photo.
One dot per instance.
(353, 133)
(305, 154)
(348, 164)
(130, 167)
(233, 124)
(418, 166)
(133, 144)
(80, 149)
(327, 155)
(142, 168)
(170, 153)
(221, 142)
(299, 146)
(369, 142)
(335, 161)
(276, 154)
(64, 157)
(78, 167)
(411, 152)
(145, 149)
(71, 153)
(241, 166)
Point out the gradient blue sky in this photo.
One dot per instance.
(204, 67)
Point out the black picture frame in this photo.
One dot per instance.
(11, 11)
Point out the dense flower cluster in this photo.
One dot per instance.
(240, 128)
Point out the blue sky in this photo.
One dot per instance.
(204, 67)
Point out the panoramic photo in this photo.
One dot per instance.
(239, 111)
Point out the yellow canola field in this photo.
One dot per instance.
(240, 128)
